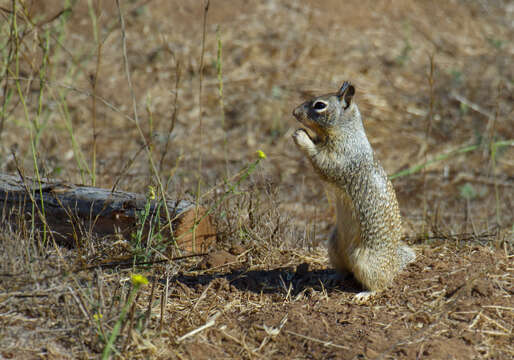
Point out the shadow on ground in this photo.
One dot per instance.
(279, 280)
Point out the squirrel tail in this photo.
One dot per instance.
(406, 255)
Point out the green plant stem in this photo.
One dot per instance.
(136, 119)
(231, 190)
(117, 327)
(94, 83)
(463, 150)
(27, 117)
(77, 153)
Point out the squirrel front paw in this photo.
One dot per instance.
(302, 139)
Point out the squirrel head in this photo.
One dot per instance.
(328, 115)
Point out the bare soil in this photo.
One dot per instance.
(446, 305)
(434, 84)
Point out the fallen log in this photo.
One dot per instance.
(72, 212)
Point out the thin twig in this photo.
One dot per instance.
(208, 324)
(427, 138)
(79, 91)
(200, 121)
(324, 343)
(173, 116)
(471, 105)
(143, 263)
(136, 119)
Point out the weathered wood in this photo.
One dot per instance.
(74, 211)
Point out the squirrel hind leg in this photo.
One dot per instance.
(336, 255)
(406, 255)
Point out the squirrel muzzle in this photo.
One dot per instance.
(312, 128)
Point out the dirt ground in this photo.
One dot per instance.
(434, 83)
(434, 311)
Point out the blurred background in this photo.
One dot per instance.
(434, 83)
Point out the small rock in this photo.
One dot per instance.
(217, 259)
(481, 288)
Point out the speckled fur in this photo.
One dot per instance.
(366, 239)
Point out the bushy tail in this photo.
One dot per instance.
(406, 255)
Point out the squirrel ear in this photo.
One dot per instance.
(346, 92)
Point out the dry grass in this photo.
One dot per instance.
(431, 77)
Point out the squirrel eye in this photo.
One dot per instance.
(319, 105)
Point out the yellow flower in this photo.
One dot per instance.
(138, 279)
(261, 154)
(97, 316)
(151, 192)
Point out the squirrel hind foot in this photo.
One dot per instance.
(364, 297)
(406, 255)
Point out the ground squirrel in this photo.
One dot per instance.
(366, 239)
